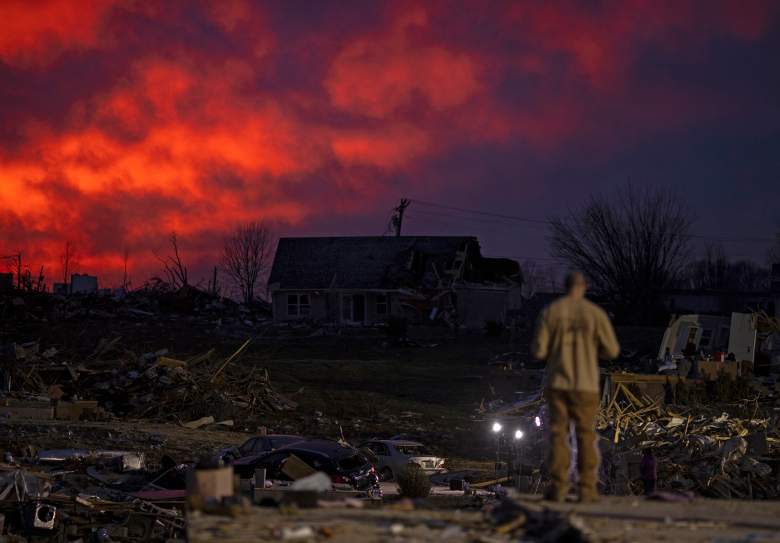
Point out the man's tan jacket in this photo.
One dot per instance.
(571, 335)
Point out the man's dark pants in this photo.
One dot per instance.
(581, 408)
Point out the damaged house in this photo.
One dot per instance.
(365, 280)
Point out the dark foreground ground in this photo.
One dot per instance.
(355, 384)
(614, 519)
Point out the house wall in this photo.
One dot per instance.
(676, 335)
(476, 305)
(326, 307)
(319, 306)
(83, 284)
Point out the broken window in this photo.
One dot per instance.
(298, 304)
(382, 304)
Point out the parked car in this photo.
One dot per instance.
(257, 445)
(344, 465)
(394, 454)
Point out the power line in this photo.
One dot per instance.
(548, 222)
(502, 222)
(487, 213)
(465, 222)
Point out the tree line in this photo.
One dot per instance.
(636, 243)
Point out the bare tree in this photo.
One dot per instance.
(710, 271)
(715, 271)
(68, 261)
(631, 246)
(246, 257)
(125, 277)
(173, 265)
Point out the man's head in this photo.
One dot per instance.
(575, 284)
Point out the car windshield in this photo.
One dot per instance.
(277, 442)
(412, 450)
(246, 447)
(352, 462)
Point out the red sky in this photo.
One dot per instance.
(122, 121)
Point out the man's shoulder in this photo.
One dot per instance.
(594, 307)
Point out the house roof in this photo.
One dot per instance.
(376, 262)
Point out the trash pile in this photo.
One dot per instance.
(536, 523)
(700, 449)
(80, 495)
(113, 381)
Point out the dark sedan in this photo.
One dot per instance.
(257, 445)
(343, 464)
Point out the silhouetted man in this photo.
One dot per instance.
(571, 335)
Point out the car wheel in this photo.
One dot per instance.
(386, 474)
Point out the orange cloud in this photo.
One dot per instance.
(120, 122)
(34, 33)
(378, 74)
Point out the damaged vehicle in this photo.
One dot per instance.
(344, 464)
(257, 445)
(392, 455)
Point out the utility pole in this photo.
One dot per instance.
(398, 218)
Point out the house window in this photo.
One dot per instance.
(298, 305)
(706, 337)
(382, 304)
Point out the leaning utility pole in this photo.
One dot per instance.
(398, 218)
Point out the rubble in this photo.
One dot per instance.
(115, 382)
(699, 448)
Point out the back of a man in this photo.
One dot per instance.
(571, 335)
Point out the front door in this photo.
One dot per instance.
(346, 308)
(359, 308)
(353, 308)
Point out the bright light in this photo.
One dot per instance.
(519, 434)
(497, 427)
(537, 421)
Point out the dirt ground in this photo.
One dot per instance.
(356, 384)
(614, 519)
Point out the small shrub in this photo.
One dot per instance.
(413, 482)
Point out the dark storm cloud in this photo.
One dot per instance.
(122, 122)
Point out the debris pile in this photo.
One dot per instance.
(113, 381)
(74, 495)
(153, 302)
(700, 449)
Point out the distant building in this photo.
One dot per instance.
(720, 302)
(59, 288)
(365, 280)
(83, 284)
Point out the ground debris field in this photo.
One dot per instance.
(109, 405)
